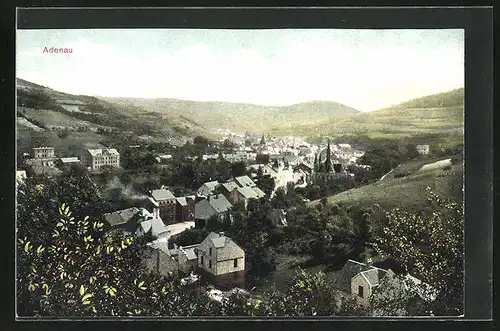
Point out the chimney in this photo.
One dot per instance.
(221, 234)
(175, 246)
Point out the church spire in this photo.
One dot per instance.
(262, 140)
(328, 162)
(320, 164)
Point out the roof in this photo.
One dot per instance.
(222, 241)
(250, 192)
(259, 192)
(182, 201)
(120, 217)
(244, 181)
(161, 244)
(189, 251)
(101, 151)
(69, 159)
(374, 275)
(211, 185)
(155, 225)
(162, 194)
(350, 269)
(43, 148)
(219, 203)
(230, 186)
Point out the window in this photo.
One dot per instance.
(360, 291)
(235, 263)
(210, 251)
(209, 264)
(202, 261)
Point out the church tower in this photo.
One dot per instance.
(262, 140)
(328, 162)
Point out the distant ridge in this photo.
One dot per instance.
(451, 98)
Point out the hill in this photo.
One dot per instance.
(86, 119)
(439, 117)
(241, 117)
(453, 98)
(408, 191)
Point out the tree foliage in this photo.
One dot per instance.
(429, 245)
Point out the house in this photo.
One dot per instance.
(360, 280)
(125, 219)
(151, 225)
(184, 208)
(208, 188)
(63, 161)
(187, 258)
(229, 189)
(97, 158)
(43, 153)
(305, 167)
(244, 181)
(221, 261)
(42, 156)
(164, 204)
(214, 205)
(422, 149)
(165, 157)
(244, 194)
(156, 260)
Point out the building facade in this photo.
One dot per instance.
(164, 205)
(97, 158)
(43, 152)
(222, 261)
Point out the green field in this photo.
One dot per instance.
(75, 141)
(53, 118)
(440, 116)
(408, 192)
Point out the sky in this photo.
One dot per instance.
(363, 69)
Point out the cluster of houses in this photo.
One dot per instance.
(217, 258)
(44, 160)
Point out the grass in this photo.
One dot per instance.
(53, 118)
(284, 273)
(412, 166)
(75, 141)
(408, 192)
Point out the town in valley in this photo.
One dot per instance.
(143, 206)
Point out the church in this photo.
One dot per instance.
(327, 169)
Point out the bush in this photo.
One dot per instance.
(402, 174)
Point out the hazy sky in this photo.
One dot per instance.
(364, 69)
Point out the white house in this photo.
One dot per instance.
(422, 149)
(208, 188)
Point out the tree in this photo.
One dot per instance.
(82, 271)
(238, 169)
(38, 199)
(200, 140)
(429, 245)
(228, 144)
(266, 183)
(308, 295)
(262, 159)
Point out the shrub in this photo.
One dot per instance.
(402, 174)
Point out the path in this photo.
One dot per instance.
(387, 173)
(179, 227)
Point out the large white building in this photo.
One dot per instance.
(96, 158)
